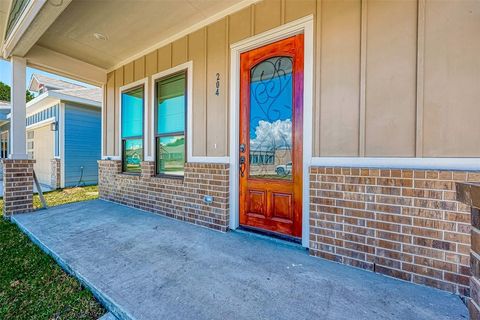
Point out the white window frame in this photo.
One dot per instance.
(185, 67)
(188, 68)
(146, 144)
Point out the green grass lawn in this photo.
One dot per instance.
(58, 197)
(32, 285)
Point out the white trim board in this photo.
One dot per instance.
(102, 123)
(399, 163)
(51, 98)
(111, 158)
(61, 141)
(218, 160)
(41, 123)
(132, 85)
(305, 26)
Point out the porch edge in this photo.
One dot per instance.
(106, 301)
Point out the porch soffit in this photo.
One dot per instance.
(130, 28)
(4, 12)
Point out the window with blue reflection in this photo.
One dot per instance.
(171, 105)
(170, 125)
(132, 129)
(132, 113)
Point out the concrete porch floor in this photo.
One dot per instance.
(145, 266)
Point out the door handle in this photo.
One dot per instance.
(242, 166)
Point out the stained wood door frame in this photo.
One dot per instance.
(305, 26)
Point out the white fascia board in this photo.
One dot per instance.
(40, 103)
(51, 98)
(28, 15)
(37, 99)
(66, 97)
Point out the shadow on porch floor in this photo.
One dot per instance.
(145, 266)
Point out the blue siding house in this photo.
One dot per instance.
(82, 144)
(63, 132)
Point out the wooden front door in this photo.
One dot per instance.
(271, 118)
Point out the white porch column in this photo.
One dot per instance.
(18, 138)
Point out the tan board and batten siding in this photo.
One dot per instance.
(393, 78)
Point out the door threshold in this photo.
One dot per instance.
(270, 235)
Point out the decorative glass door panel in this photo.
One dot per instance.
(271, 122)
(271, 94)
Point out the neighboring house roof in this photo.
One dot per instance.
(4, 104)
(55, 90)
(94, 94)
(39, 81)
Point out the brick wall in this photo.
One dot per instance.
(470, 195)
(177, 198)
(17, 186)
(403, 223)
(55, 172)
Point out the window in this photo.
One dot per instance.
(132, 129)
(4, 136)
(30, 144)
(170, 124)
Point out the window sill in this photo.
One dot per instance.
(130, 174)
(169, 177)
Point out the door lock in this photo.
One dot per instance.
(242, 147)
(242, 166)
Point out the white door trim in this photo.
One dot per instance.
(305, 26)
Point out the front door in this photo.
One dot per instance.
(271, 118)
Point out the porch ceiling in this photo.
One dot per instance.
(4, 6)
(130, 27)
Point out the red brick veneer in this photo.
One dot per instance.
(403, 223)
(470, 195)
(17, 186)
(177, 198)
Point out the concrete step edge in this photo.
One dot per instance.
(107, 302)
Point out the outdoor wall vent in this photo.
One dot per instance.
(208, 199)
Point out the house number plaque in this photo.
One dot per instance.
(217, 85)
